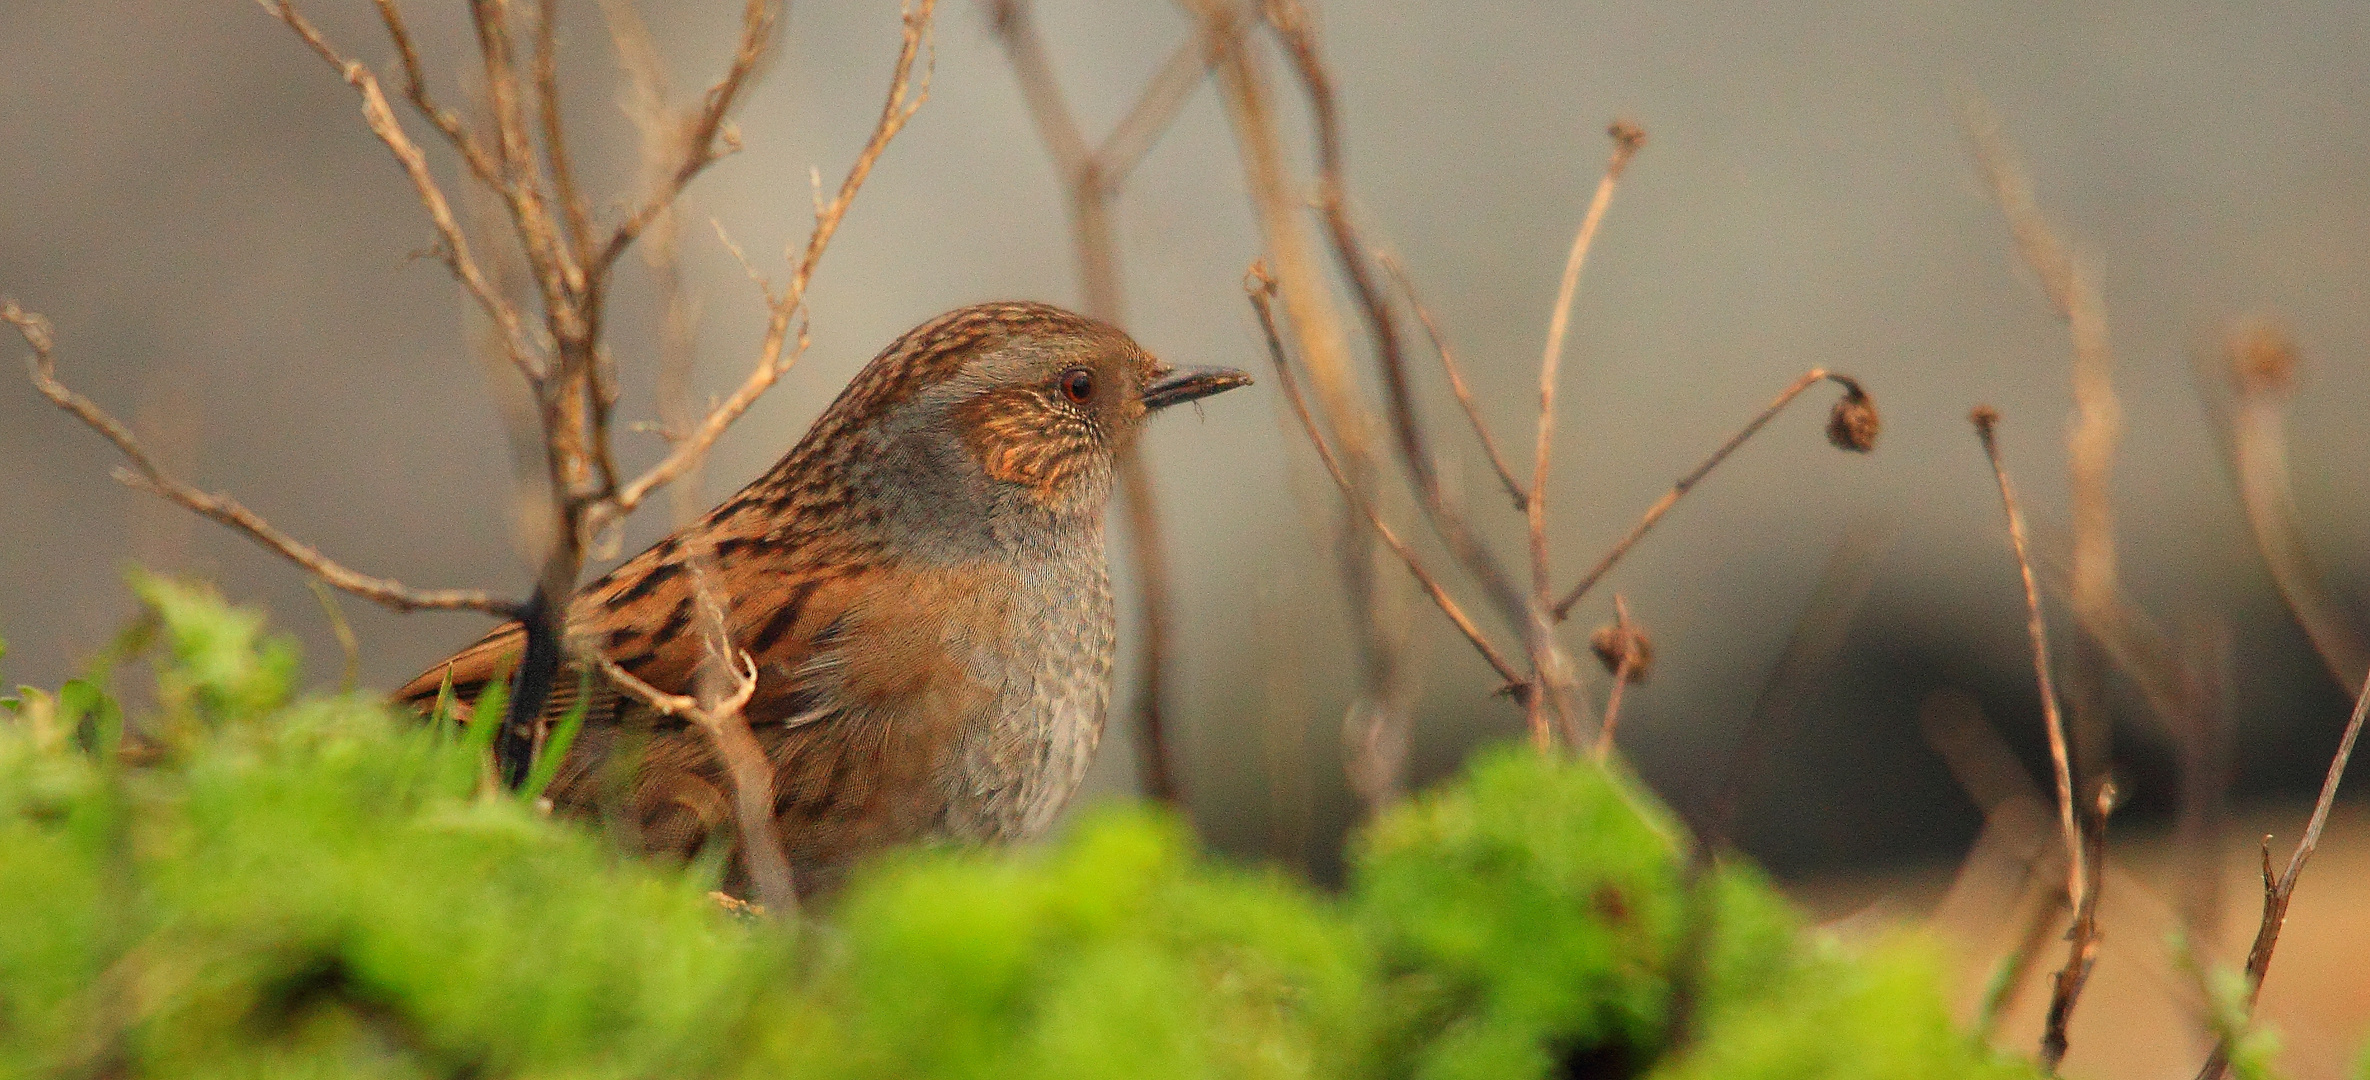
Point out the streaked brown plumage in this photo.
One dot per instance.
(922, 584)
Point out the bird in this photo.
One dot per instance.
(920, 584)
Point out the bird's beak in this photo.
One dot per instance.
(1191, 384)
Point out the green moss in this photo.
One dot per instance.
(1873, 1015)
(312, 887)
(1533, 918)
(1116, 953)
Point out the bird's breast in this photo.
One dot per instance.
(1045, 674)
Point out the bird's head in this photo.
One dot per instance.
(1002, 412)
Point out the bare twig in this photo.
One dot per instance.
(2014, 970)
(1456, 377)
(2015, 828)
(704, 136)
(2131, 640)
(2090, 454)
(724, 684)
(2098, 419)
(775, 353)
(662, 132)
(2078, 881)
(1854, 398)
(1262, 292)
(575, 215)
(1627, 138)
(1308, 308)
(1629, 650)
(348, 645)
(726, 680)
(554, 268)
(2277, 892)
(415, 89)
(452, 244)
(1155, 109)
(143, 473)
(2261, 363)
(1549, 703)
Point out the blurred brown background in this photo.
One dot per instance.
(190, 196)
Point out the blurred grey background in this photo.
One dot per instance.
(226, 252)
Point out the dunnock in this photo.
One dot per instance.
(922, 584)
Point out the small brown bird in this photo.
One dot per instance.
(921, 583)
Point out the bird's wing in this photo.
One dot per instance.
(862, 688)
(468, 671)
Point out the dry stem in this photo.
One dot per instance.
(1627, 138)
(1623, 672)
(2098, 420)
(1456, 377)
(2261, 365)
(1549, 702)
(725, 682)
(1308, 307)
(1852, 391)
(703, 136)
(1262, 292)
(349, 646)
(2014, 827)
(452, 244)
(2277, 892)
(775, 356)
(143, 473)
(2078, 880)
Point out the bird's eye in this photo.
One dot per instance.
(1078, 385)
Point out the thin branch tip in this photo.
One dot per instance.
(1854, 419)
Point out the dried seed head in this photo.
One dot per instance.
(1984, 417)
(1627, 135)
(1614, 642)
(1853, 424)
(2262, 358)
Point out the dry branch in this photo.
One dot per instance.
(575, 216)
(1337, 420)
(349, 646)
(699, 135)
(2261, 365)
(1549, 702)
(2015, 829)
(1262, 292)
(775, 356)
(2080, 883)
(1308, 309)
(452, 243)
(1852, 426)
(143, 473)
(1626, 649)
(1627, 138)
(2278, 891)
(1456, 378)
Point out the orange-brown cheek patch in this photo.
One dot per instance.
(1020, 438)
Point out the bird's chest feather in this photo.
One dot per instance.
(988, 682)
(1051, 675)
